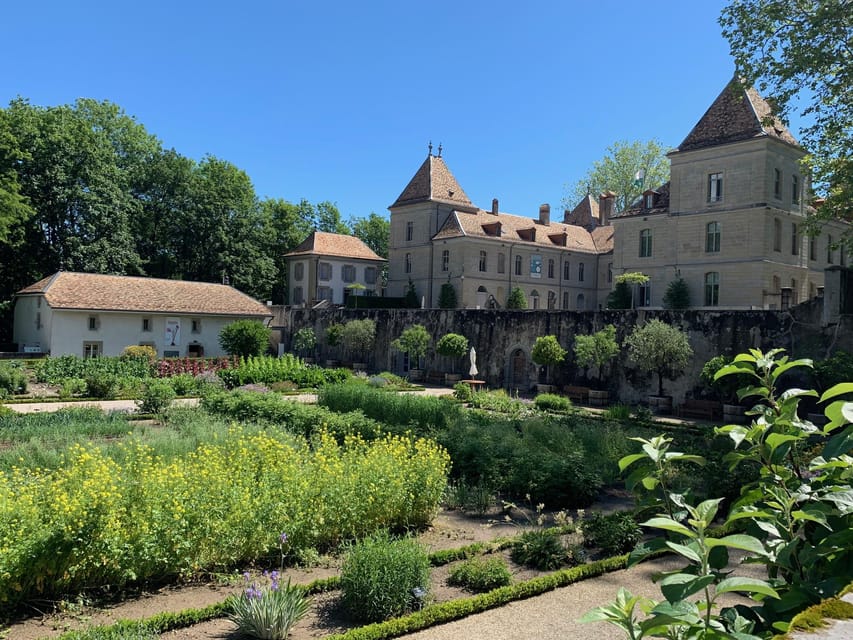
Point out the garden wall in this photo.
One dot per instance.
(503, 340)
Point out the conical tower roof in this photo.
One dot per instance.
(738, 113)
(433, 182)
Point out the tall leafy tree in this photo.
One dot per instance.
(374, 231)
(327, 217)
(799, 54)
(220, 235)
(77, 188)
(628, 169)
(14, 207)
(286, 226)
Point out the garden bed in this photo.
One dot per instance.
(449, 530)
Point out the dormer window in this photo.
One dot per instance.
(648, 199)
(559, 239)
(527, 234)
(492, 229)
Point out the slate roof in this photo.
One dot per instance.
(434, 182)
(512, 228)
(322, 243)
(99, 292)
(660, 204)
(737, 114)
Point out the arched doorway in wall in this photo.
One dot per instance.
(581, 302)
(534, 299)
(482, 297)
(518, 378)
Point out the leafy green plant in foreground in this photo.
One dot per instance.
(797, 518)
(480, 574)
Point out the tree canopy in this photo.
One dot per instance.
(799, 55)
(628, 169)
(85, 187)
(657, 347)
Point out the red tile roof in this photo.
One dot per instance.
(99, 292)
(507, 227)
(433, 181)
(322, 243)
(738, 113)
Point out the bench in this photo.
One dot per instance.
(434, 377)
(707, 409)
(576, 394)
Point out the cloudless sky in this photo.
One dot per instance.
(338, 100)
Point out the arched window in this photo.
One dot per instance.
(518, 265)
(534, 298)
(445, 260)
(483, 262)
(580, 272)
(552, 300)
(551, 268)
(581, 302)
(408, 263)
(712, 289)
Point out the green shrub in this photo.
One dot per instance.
(425, 413)
(480, 574)
(183, 384)
(380, 576)
(54, 370)
(478, 498)
(12, 378)
(294, 417)
(157, 396)
(613, 533)
(333, 334)
(516, 299)
(497, 400)
(102, 385)
(245, 338)
(540, 549)
(71, 387)
(552, 402)
(463, 391)
(269, 369)
(834, 370)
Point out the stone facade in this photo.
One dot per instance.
(503, 340)
(731, 223)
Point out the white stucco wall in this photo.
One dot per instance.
(32, 323)
(115, 331)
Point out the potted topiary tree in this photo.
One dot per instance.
(547, 352)
(597, 349)
(357, 337)
(662, 349)
(415, 342)
(516, 299)
(453, 346)
(725, 388)
(304, 342)
(333, 339)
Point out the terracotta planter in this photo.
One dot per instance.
(734, 414)
(451, 379)
(660, 405)
(599, 398)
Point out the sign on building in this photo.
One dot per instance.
(535, 266)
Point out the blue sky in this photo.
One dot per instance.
(338, 100)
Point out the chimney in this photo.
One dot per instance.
(494, 206)
(605, 207)
(545, 214)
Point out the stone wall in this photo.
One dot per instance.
(503, 340)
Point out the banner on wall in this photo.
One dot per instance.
(173, 332)
(535, 266)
